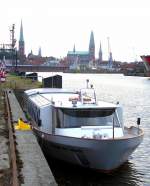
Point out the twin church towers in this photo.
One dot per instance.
(92, 49)
(84, 57)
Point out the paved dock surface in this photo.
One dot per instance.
(35, 171)
(4, 147)
(15, 107)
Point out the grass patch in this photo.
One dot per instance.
(16, 82)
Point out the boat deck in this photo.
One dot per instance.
(99, 132)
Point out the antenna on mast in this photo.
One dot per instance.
(109, 50)
(12, 46)
(110, 60)
(12, 36)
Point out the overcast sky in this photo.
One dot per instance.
(56, 25)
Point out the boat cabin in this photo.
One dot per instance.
(74, 113)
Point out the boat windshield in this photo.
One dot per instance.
(74, 118)
(88, 96)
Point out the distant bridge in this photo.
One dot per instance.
(36, 68)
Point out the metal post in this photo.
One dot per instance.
(16, 60)
(113, 128)
(87, 86)
(138, 123)
(52, 82)
(42, 82)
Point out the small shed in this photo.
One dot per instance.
(53, 82)
(22, 74)
(33, 76)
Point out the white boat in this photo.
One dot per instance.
(75, 127)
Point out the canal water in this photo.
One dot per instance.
(133, 93)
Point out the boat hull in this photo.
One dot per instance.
(146, 60)
(104, 155)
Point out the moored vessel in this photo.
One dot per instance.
(75, 127)
(146, 60)
(2, 76)
(2, 72)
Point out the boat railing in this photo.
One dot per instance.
(88, 96)
(118, 119)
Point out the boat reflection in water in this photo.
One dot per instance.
(74, 127)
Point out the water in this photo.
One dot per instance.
(134, 94)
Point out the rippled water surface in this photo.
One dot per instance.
(134, 94)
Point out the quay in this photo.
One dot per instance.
(36, 68)
(34, 169)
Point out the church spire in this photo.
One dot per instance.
(40, 53)
(21, 51)
(21, 33)
(92, 43)
(100, 54)
(92, 47)
(74, 48)
(110, 58)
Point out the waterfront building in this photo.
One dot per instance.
(34, 59)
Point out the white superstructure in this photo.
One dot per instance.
(84, 116)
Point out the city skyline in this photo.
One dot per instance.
(56, 26)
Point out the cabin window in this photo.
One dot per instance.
(34, 112)
(72, 118)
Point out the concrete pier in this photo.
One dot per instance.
(35, 171)
(4, 147)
